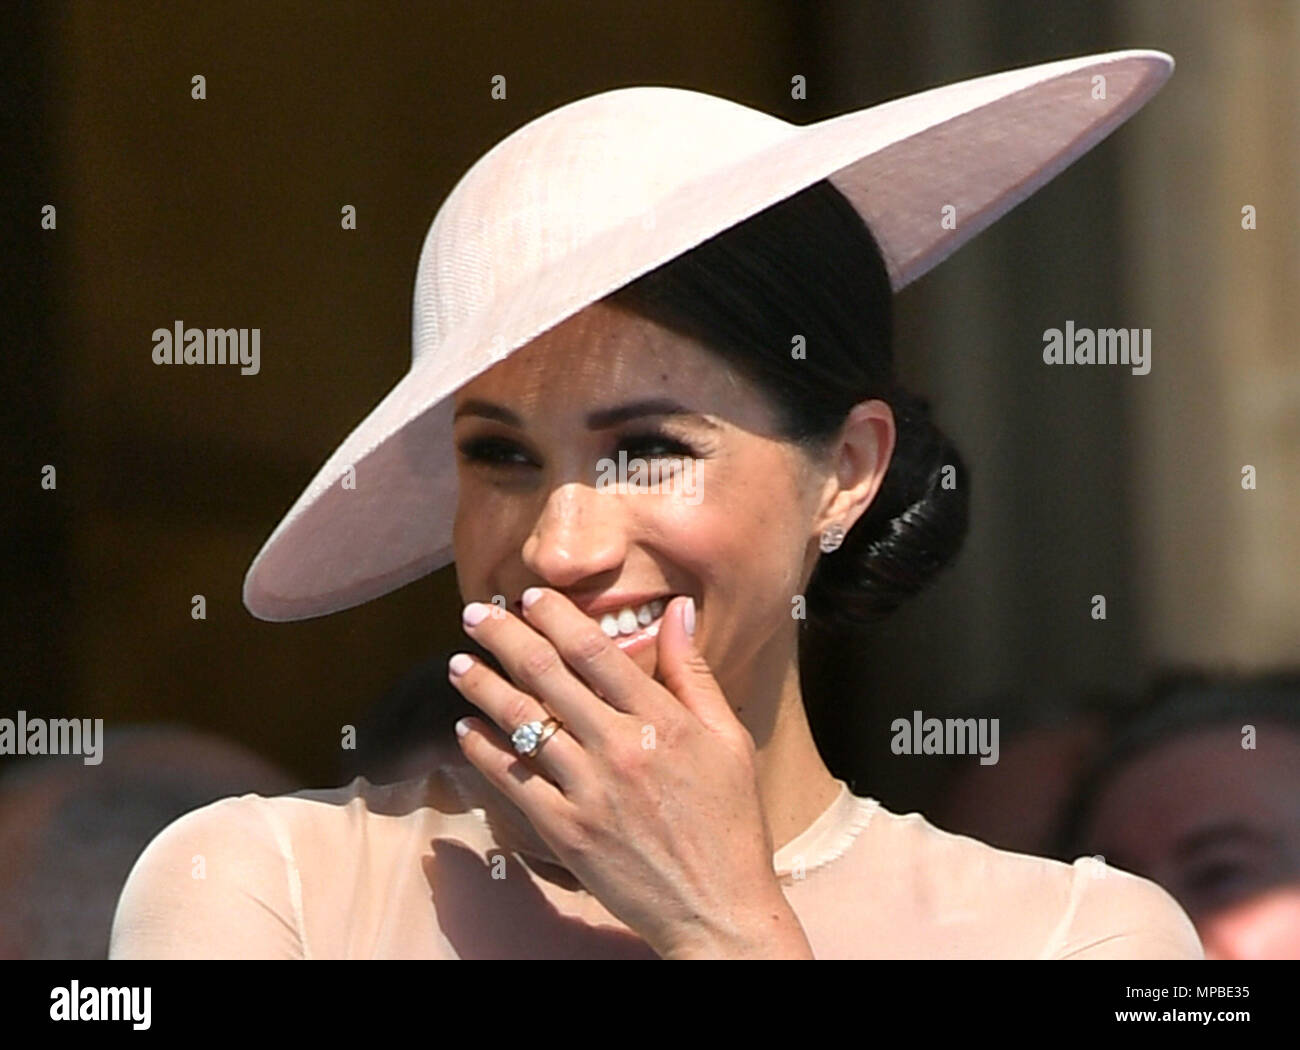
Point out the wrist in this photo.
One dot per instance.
(770, 930)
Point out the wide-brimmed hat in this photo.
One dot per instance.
(587, 197)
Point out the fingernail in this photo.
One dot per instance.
(688, 617)
(462, 726)
(531, 595)
(460, 663)
(475, 613)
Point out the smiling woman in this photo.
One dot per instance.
(663, 275)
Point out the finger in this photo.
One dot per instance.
(687, 674)
(589, 651)
(560, 757)
(537, 668)
(540, 800)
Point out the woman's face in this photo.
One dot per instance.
(732, 521)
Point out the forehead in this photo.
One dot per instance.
(604, 355)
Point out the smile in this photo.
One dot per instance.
(628, 620)
(634, 628)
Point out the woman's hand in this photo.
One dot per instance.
(648, 793)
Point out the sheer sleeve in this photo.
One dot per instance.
(1114, 914)
(216, 883)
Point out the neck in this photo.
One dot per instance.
(793, 782)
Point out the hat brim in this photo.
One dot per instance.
(379, 513)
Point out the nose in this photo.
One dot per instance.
(580, 533)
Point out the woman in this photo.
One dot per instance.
(654, 334)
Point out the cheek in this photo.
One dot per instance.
(484, 527)
(698, 538)
(746, 539)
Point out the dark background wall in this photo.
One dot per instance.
(225, 212)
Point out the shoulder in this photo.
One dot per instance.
(1017, 904)
(1119, 915)
(218, 863)
(226, 880)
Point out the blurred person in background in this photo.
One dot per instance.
(408, 732)
(1200, 792)
(1017, 802)
(70, 832)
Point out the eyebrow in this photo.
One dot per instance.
(598, 420)
(1214, 834)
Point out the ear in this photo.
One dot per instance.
(860, 458)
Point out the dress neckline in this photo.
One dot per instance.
(826, 839)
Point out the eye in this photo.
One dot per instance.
(493, 452)
(1219, 882)
(646, 442)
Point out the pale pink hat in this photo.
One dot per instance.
(585, 198)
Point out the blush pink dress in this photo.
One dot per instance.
(444, 867)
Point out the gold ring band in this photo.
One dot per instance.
(548, 730)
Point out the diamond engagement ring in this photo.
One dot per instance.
(530, 736)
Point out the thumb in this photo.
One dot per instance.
(682, 668)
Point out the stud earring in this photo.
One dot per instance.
(832, 537)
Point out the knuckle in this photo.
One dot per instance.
(590, 644)
(579, 833)
(538, 663)
(625, 758)
(578, 839)
(518, 710)
(696, 664)
(510, 768)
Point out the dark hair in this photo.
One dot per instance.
(809, 266)
(1177, 702)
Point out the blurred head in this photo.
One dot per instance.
(69, 832)
(407, 732)
(759, 370)
(1201, 794)
(1016, 803)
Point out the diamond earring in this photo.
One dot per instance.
(832, 537)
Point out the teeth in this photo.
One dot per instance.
(628, 620)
